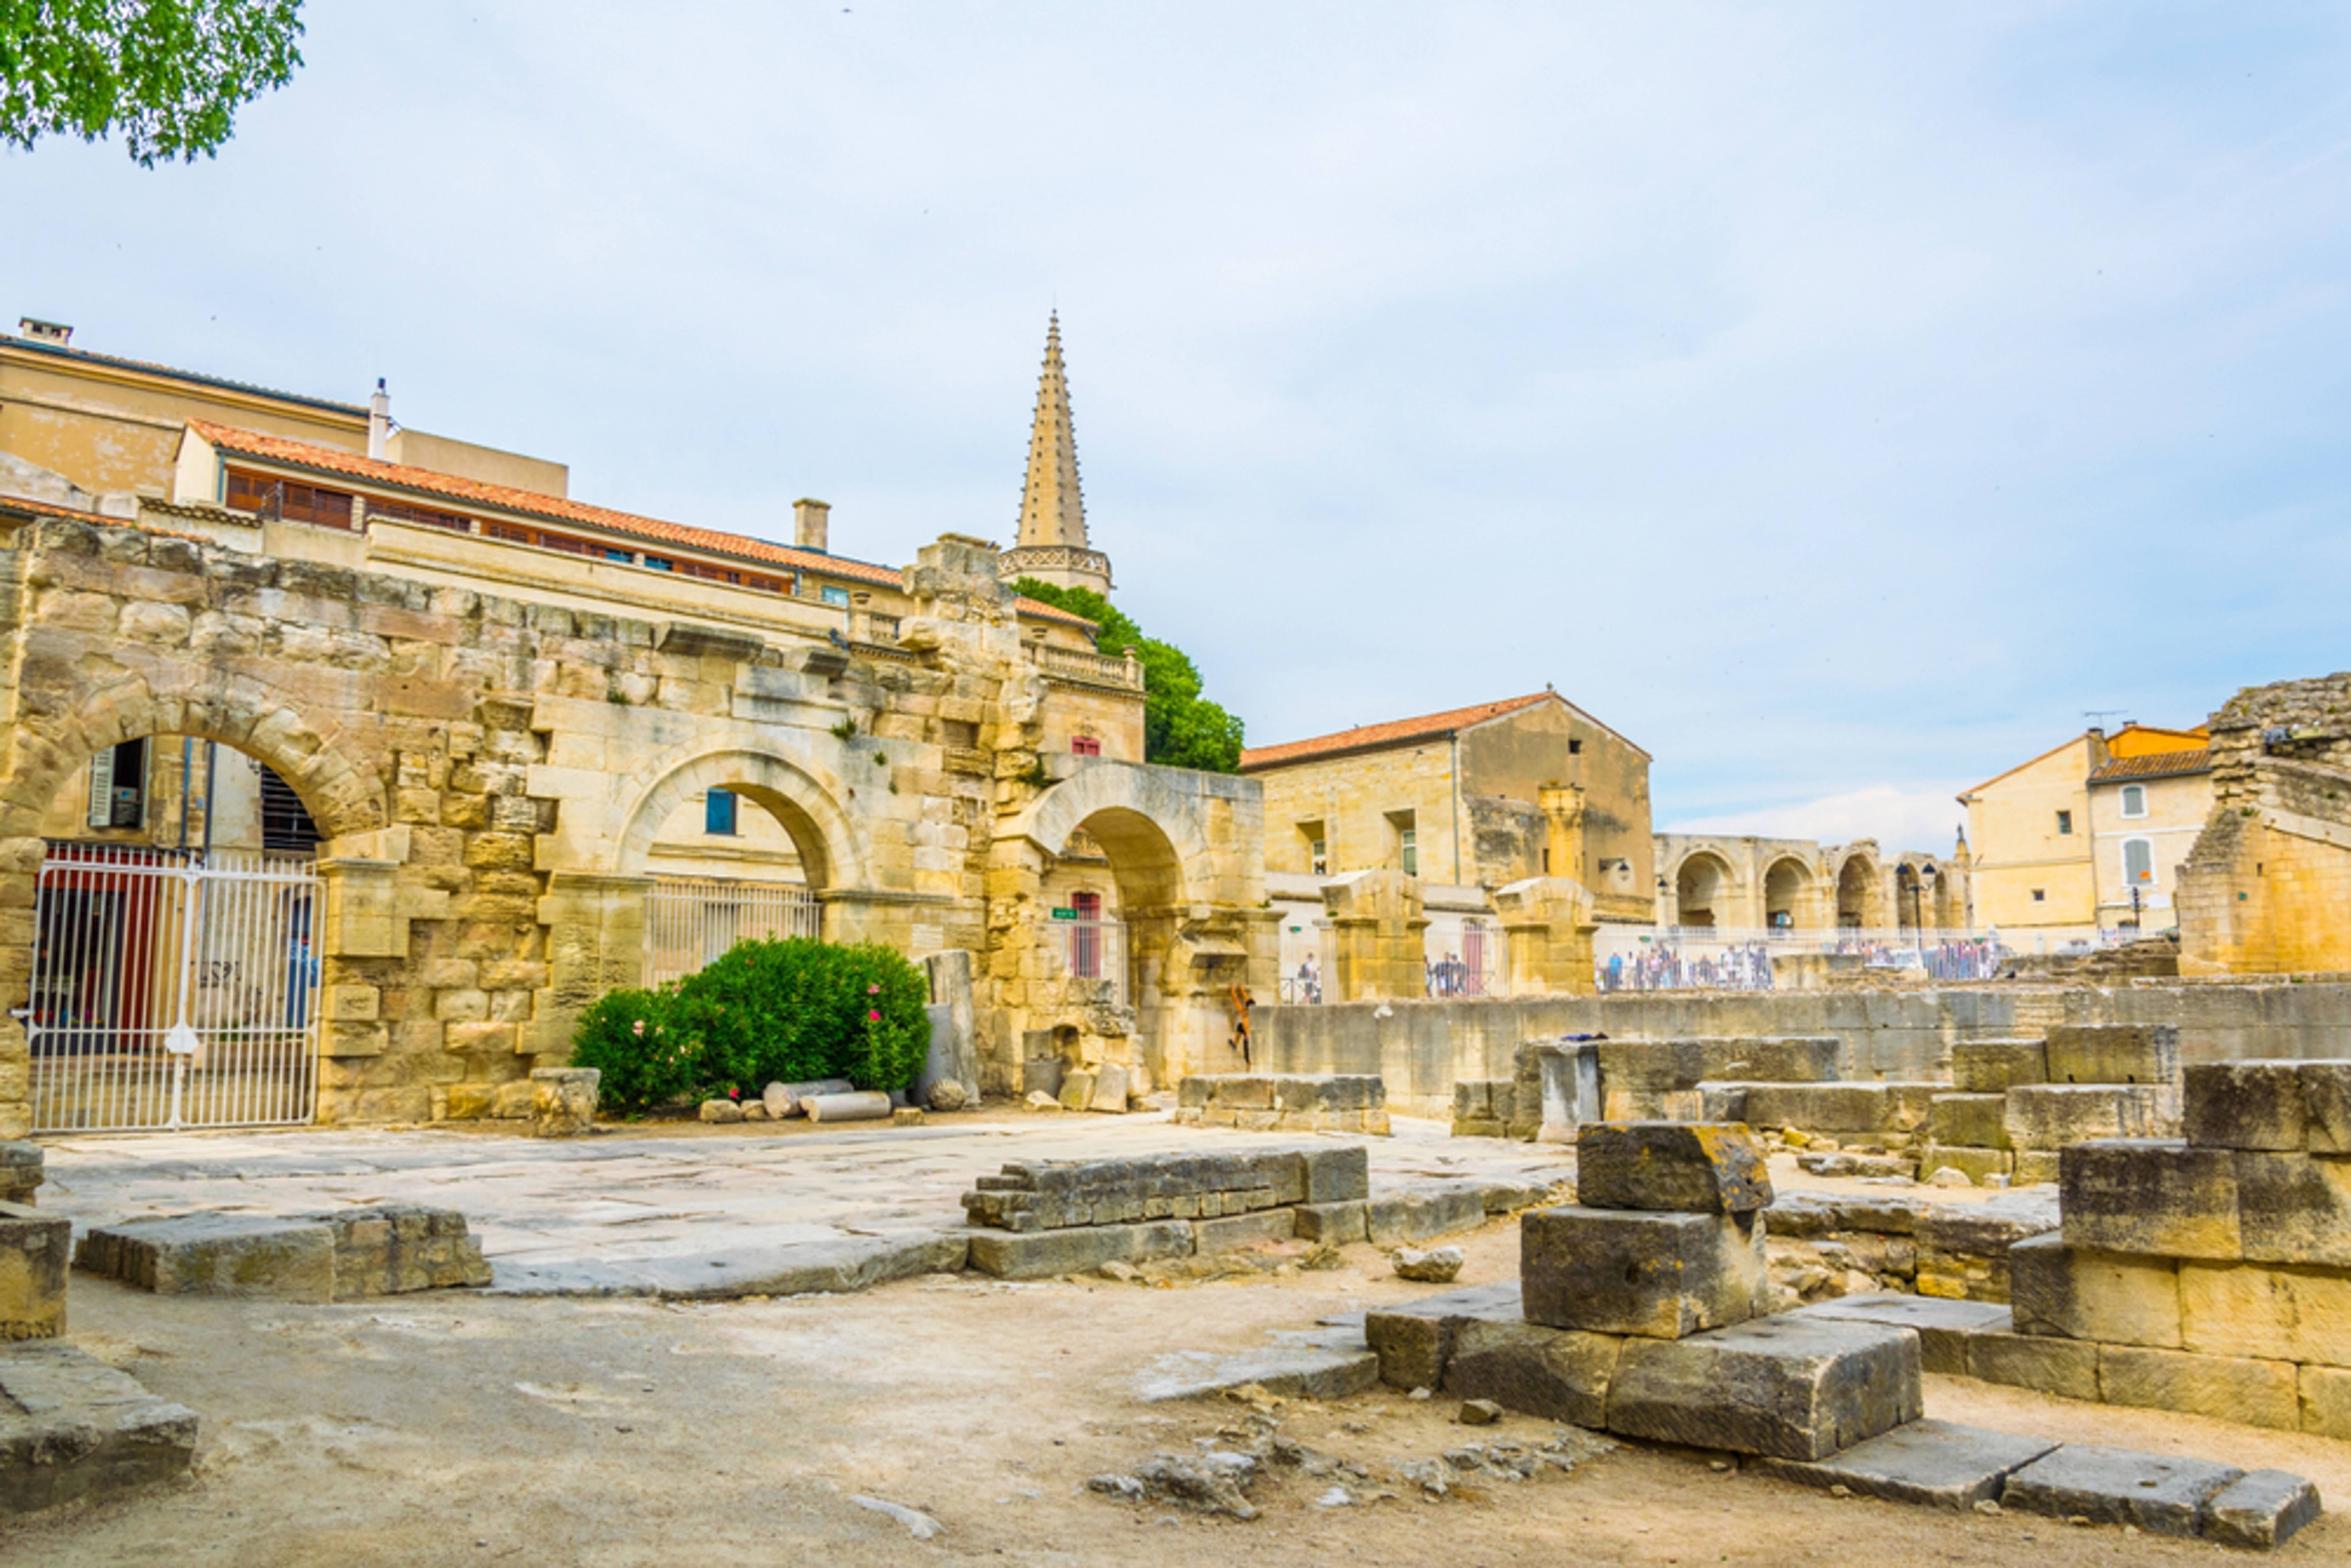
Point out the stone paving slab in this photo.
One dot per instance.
(594, 1214)
(2157, 1492)
(73, 1427)
(1329, 1364)
(1938, 1464)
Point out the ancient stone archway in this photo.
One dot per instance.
(1189, 928)
(1787, 892)
(1703, 887)
(821, 832)
(1860, 901)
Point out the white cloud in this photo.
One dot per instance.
(1927, 819)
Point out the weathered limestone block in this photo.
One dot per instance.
(1943, 1327)
(2327, 1106)
(563, 1101)
(1554, 1374)
(1843, 1107)
(215, 1255)
(1972, 1120)
(1997, 1066)
(1110, 1089)
(1316, 1364)
(1334, 1223)
(1555, 1089)
(2067, 1368)
(2152, 1197)
(34, 1252)
(1043, 1254)
(2226, 1388)
(1683, 1167)
(1077, 1090)
(2266, 1310)
(1963, 1246)
(1979, 1166)
(1483, 1107)
(1048, 1194)
(1660, 1275)
(2146, 1053)
(2051, 1115)
(1931, 1463)
(1413, 1340)
(2294, 1208)
(20, 1172)
(2162, 1495)
(2073, 1293)
(393, 1248)
(2263, 1512)
(71, 1428)
(2246, 1105)
(1773, 1058)
(1793, 1389)
(1234, 1232)
(1416, 1214)
(1269, 1102)
(2325, 1400)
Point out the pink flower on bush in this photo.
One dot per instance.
(872, 1016)
(638, 1028)
(875, 990)
(734, 1093)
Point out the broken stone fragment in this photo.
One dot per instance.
(1684, 1167)
(1437, 1266)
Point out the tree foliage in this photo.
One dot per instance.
(170, 75)
(1180, 728)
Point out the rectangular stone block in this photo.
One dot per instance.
(73, 1429)
(2113, 1053)
(2294, 1208)
(2327, 1106)
(20, 1166)
(1789, 1387)
(1683, 1167)
(2226, 1388)
(1931, 1463)
(2263, 1512)
(2325, 1401)
(1041, 1255)
(2266, 1310)
(1110, 1089)
(2246, 1105)
(1335, 1173)
(1997, 1066)
(2153, 1197)
(1649, 1067)
(1416, 1214)
(1660, 1275)
(1077, 1090)
(2035, 1168)
(2162, 1495)
(2053, 1115)
(1826, 1107)
(1772, 1058)
(215, 1255)
(2067, 1368)
(1974, 1121)
(1554, 1374)
(1943, 1327)
(1414, 1340)
(36, 1250)
(1333, 1224)
(1979, 1166)
(2073, 1293)
(1236, 1231)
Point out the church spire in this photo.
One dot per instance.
(1053, 545)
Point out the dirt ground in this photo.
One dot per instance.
(457, 1428)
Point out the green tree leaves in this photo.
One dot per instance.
(1180, 728)
(170, 75)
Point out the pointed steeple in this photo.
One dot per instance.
(1053, 545)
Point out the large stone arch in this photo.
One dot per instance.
(1788, 890)
(1159, 831)
(827, 840)
(1860, 893)
(1705, 887)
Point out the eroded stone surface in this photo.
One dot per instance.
(1935, 1463)
(1790, 1387)
(2115, 1486)
(72, 1427)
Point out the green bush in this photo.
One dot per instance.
(786, 1012)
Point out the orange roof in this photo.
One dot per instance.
(2147, 740)
(48, 509)
(2155, 765)
(1395, 732)
(743, 547)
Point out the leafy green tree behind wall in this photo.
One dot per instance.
(1180, 728)
(170, 75)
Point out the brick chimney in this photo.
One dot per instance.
(811, 524)
(380, 422)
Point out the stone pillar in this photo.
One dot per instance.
(595, 943)
(1380, 949)
(1563, 810)
(1547, 925)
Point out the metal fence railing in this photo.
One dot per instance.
(692, 920)
(171, 989)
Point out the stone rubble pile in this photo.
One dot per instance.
(1284, 1102)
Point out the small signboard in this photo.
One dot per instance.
(1065, 915)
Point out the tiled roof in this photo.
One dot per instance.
(26, 504)
(557, 508)
(2155, 765)
(1395, 732)
(60, 352)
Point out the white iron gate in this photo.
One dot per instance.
(692, 920)
(171, 989)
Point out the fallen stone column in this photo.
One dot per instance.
(866, 1105)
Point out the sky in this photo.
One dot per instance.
(1843, 401)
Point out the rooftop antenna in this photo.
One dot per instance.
(2097, 717)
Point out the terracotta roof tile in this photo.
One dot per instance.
(46, 509)
(1395, 732)
(557, 508)
(2155, 765)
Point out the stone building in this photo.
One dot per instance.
(2062, 841)
(2267, 887)
(498, 713)
(1708, 882)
